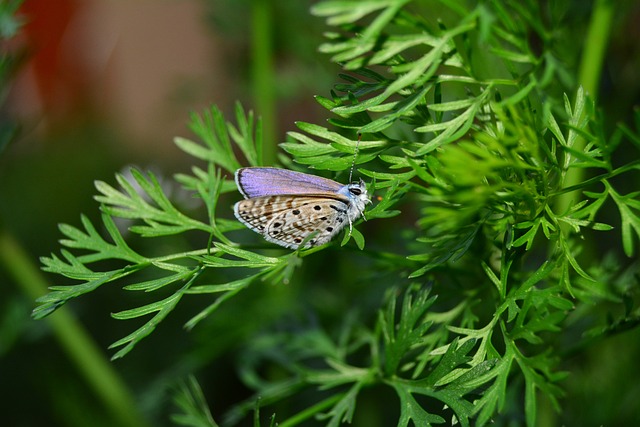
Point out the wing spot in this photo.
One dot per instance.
(329, 229)
(297, 240)
(324, 218)
(277, 224)
(317, 207)
(337, 209)
(296, 212)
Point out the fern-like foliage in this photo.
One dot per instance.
(466, 128)
(142, 200)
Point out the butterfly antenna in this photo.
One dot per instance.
(355, 156)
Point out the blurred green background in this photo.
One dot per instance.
(102, 85)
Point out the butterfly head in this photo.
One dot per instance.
(358, 197)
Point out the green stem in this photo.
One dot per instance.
(593, 54)
(311, 411)
(263, 75)
(595, 46)
(78, 345)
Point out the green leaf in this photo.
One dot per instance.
(453, 129)
(91, 240)
(342, 411)
(190, 399)
(162, 308)
(152, 285)
(357, 236)
(60, 295)
(341, 12)
(630, 219)
(400, 109)
(214, 132)
(409, 331)
(162, 219)
(412, 411)
(193, 149)
(229, 290)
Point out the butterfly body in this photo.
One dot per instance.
(287, 207)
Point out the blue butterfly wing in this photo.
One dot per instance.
(260, 182)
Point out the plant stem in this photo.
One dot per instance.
(78, 345)
(311, 411)
(588, 77)
(263, 75)
(595, 46)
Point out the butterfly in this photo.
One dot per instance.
(287, 207)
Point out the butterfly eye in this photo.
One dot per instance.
(356, 191)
